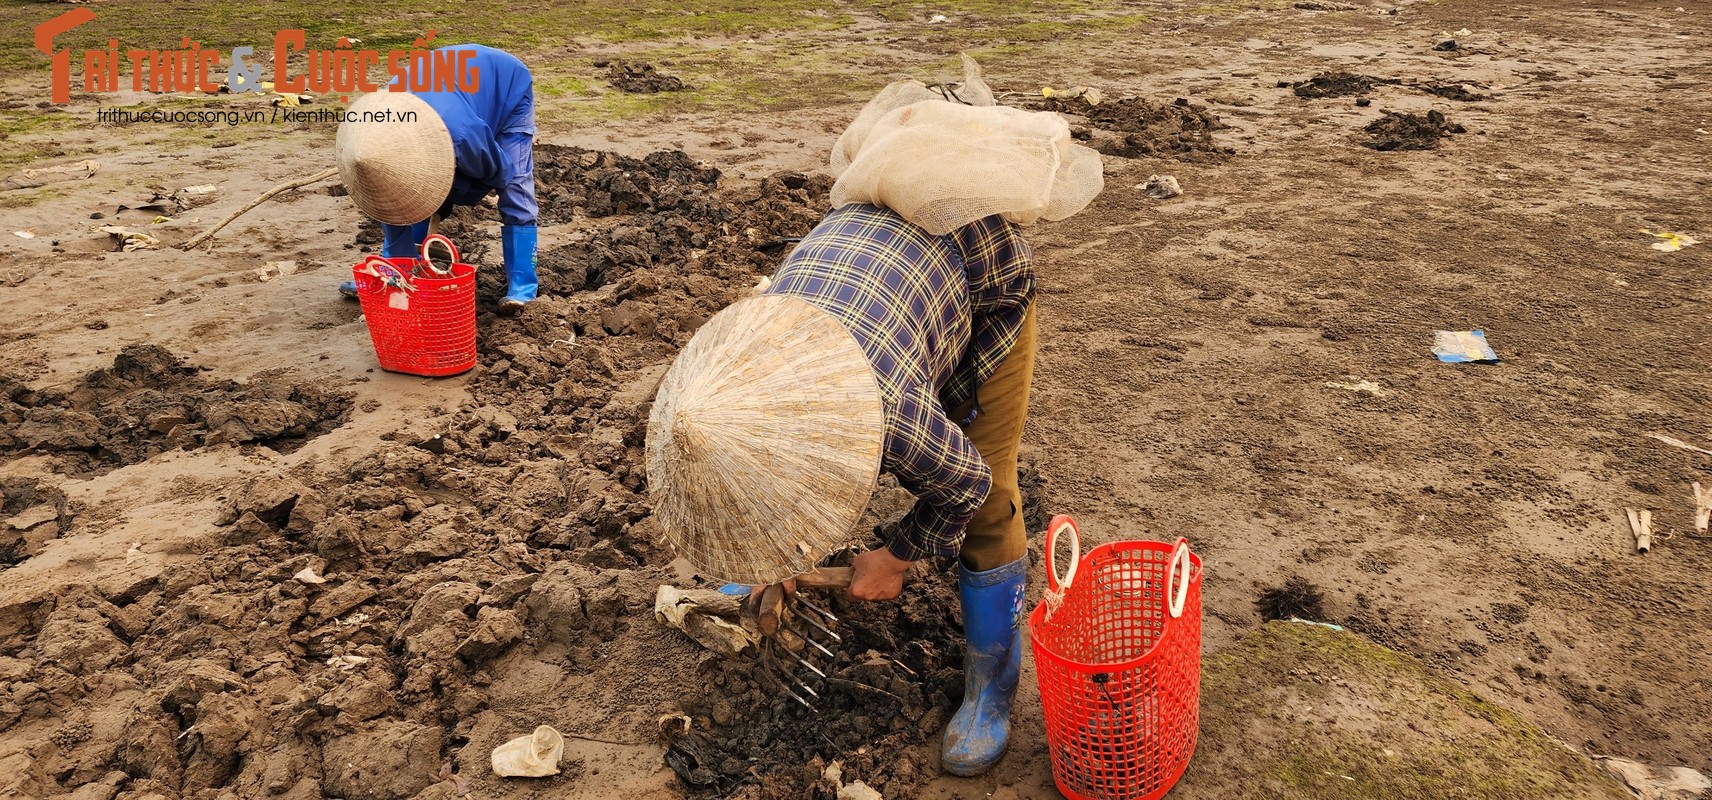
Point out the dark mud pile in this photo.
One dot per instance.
(1296, 599)
(1453, 90)
(1399, 131)
(572, 182)
(639, 77)
(676, 230)
(1338, 84)
(148, 403)
(1135, 128)
(871, 710)
(1343, 84)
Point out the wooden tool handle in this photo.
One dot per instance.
(826, 578)
(772, 609)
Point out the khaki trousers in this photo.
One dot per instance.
(996, 535)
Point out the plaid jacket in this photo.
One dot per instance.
(936, 315)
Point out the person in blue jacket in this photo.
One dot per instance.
(407, 158)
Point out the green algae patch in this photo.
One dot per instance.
(1310, 713)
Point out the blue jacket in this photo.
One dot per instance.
(493, 134)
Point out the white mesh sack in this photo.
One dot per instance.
(942, 165)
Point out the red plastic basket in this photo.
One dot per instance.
(1117, 649)
(421, 318)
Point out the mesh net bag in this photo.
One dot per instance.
(943, 158)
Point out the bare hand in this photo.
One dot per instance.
(878, 575)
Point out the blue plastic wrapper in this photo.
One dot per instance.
(1462, 347)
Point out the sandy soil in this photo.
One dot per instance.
(486, 540)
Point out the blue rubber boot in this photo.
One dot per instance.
(992, 625)
(398, 241)
(518, 246)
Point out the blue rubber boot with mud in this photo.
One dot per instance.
(518, 243)
(398, 241)
(992, 625)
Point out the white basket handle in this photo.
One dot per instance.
(1055, 586)
(1178, 576)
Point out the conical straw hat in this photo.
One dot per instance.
(764, 442)
(397, 166)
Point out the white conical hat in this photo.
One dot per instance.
(765, 440)
(395, 157)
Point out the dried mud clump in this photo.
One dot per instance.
(31, 515)
(148, 402)
(1397, 131)
(1135, 127)
(639, 77)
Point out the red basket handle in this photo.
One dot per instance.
(428, 262)
(1172, 570)
(1056, 587)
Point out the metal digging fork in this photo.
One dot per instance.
(800, 631)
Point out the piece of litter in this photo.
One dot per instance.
(858, 791)
(1461, 347)
(346, 663)
(1675, 442)
(1352, 385)
(134, 553)
(937, 18)
(673, 719)
(307, 575)
(1089, 94)
(1672, 242)
(1463, 32)
(24, 234)
(534, 756)
(1161, 187)
(128, 239)
(1312, 622)
(1702, 508)
(1641, 525)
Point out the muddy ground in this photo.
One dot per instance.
(1248, 364)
